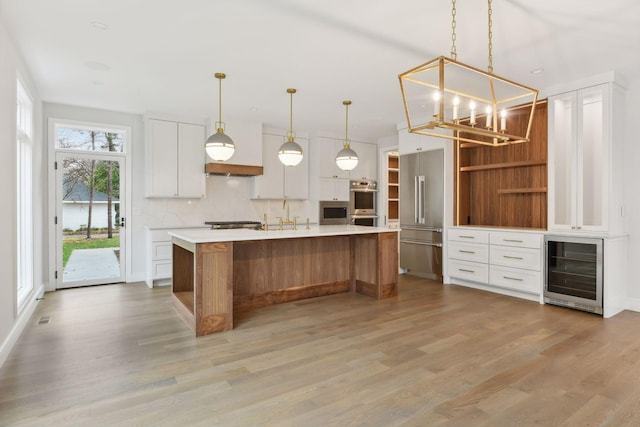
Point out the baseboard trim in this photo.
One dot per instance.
(19, 325)
(632, 304)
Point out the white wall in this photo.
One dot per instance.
(632, 177)
(12, 317)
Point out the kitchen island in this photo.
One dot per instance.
(218, 271)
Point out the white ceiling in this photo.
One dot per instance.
(160, 55)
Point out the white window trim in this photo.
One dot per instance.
(24, 197)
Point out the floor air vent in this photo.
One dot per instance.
(44, 320)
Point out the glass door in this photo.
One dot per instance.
(89, 206)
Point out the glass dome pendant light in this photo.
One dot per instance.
(346, 159)
(290, 153)
(220, 146)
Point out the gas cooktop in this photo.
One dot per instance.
(225, 225)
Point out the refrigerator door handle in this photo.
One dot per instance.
(420, 182)
(434, 229)
(416, 198)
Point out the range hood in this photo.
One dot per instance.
(227, 169)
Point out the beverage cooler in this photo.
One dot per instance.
(573, 272)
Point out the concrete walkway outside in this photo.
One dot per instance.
(91, 264)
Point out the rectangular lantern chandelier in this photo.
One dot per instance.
(448, 99)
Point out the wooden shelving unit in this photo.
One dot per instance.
(504, 186)
(393, 187)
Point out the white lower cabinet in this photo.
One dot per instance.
(160, 255)
(474, 271)
(516, 278)
(508, 262)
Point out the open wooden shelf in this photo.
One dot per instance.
(522, 190)
(186, 298)
(505, 165)
(393, 187)
(504, 186)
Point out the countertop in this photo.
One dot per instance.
(212, 236)
(175, 227)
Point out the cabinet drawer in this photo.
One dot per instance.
(521, 240)
(161, 251)
(468, 235)
(161, 269)
(526, 258)
(473, 271)
(468, 251)
(516, 279)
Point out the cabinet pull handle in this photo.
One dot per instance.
(467, 237)
(513, 278)
(466, 271)
(513, 240)
(466, 252)
(512, 257)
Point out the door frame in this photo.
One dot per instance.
(125, 192)
(59, 245)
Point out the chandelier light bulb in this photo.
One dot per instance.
(436, 104)
(456, 102)
(489, 116)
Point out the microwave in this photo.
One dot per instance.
(334, 212)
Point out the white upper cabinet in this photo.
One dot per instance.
(367, 167)
(175, 159)
(585, 160)
(333, 189)
(327, 150)
(191, 160)
(279, 181)
(409, 143)
(247, 136)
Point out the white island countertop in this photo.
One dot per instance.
(213, 236)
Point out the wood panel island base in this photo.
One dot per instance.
(218, 271)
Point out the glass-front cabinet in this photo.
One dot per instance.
(579, 159)
(586, 156)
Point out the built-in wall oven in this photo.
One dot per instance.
(573, 272)
(362, 202)
(334, 212)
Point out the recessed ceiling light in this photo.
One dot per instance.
(97, 65)
(96, 25)
(537, 71)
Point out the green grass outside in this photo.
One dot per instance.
(71, 244)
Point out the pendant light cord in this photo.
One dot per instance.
(346, 126)
(454, 53)
(290, 91)
(220, 101)
(219, 76)
(490, 36)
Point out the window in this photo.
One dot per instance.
(83, 138)
(24, 132)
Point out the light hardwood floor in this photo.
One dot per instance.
(119, 355)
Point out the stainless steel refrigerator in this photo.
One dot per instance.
(421, 213)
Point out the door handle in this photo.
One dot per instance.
(415, 242)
